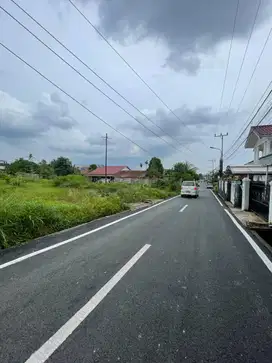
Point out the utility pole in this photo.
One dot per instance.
(213, 163)
(106, 138)
(222, 151)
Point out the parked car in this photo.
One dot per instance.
(209, 186)
(189, 189)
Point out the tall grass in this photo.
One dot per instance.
(30, 209)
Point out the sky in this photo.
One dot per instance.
(180, 49)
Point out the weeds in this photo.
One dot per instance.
(32, 209)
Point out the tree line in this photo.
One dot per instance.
(57, 167)
(63, 166)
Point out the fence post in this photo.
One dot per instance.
(245, 193)
(270, 206)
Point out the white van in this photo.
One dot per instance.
(189, 188)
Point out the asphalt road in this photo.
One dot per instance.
(161, 286)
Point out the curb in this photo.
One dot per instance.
(257, 238)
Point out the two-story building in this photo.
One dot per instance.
(260, 168)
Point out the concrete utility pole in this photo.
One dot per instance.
(222, 151)
(106, 157)
(213, 163)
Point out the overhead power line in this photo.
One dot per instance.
(87, 80)
(244, 56)
(72, 98)
(250, 120)
(267, 112)
(248, 85)
(254, 70)
(96, 74)
(229, 54)
(129, 66)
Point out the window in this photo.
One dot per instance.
(188, 183)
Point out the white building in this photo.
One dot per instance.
(260, 141)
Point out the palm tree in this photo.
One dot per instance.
(185, 167)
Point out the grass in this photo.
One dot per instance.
(31, 208)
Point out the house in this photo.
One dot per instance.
(132, 176)
(85, 168)
(118, 174)
(260, 168)
(260, 140)
(112, 172)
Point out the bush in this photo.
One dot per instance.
(22, 221)
(14, 180)
(30, 210)
(71, 181)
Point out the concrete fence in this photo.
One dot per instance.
(248, 195)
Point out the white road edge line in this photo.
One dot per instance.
(216, 198)
(53, 343)
(43, 250)
(183, 208)
(257, 249)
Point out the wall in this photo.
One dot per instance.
(266, 142)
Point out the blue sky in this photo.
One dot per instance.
(179, 49)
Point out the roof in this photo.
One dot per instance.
(132, 174)
(257, 132)
(111, 170)
(263, 130)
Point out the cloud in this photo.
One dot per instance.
(94, 145)
(194, 123)
(20, 120)
(187, 28)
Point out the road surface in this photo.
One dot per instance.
(178, 282)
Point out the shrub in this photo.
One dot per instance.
(30, 210)
(15, 180)
(71, 181)
(22, 221)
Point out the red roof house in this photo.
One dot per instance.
(256, 133)
(111, 171)
(132, 174)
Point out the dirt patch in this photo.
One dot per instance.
(136, 206)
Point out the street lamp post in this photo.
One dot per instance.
(221, 151)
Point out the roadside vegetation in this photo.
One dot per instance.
(39, 199)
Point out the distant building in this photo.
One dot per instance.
(112, 171)
(3, 165)
(85, 168)
(121, 173)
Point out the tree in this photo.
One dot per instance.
(141, 165)
(146, 164)
(62, 166)
(92, 167)
(184, 171)
(46, 170)
(184, 168)
(22, 165)
(155, 168)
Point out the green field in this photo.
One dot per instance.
(34, 208)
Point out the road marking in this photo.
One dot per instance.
(43, 250)
(216, 198)
(257, 249)
(183, 208)
(53, 343)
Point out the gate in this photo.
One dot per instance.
(238, 195)
(259, 199)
